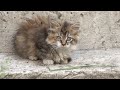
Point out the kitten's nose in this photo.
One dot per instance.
(63, 44)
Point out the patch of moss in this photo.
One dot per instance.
(79, 67)
(4, 65)
(2, 75)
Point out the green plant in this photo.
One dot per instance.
(4, 66)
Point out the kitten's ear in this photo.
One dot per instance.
(75, 26)
(53, 23)
(49, 24)
(50, 30)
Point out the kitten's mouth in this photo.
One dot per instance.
(65, 46)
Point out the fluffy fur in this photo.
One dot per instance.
(42, 38)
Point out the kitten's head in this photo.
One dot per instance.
(65, 35)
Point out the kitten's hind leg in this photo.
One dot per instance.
(32, 51)
(48, 62)
(33, 58)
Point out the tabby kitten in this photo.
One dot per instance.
(46, 39)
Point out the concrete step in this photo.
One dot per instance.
(86, 64)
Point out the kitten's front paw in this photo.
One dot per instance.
(69, 59)
(48, 62)
(66, 60)
(33, 58)
(57, 60)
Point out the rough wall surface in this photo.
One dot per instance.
(99, 29)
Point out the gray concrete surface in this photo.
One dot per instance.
(98, 54)
(86, 64)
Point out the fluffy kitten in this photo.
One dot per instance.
(45, 39)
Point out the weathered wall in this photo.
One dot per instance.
(99, 29)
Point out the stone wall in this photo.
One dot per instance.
(99, 29)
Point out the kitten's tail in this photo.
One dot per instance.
(38, 21)
(19, 44)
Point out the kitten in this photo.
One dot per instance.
(45, 39)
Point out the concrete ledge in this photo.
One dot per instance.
(86, 64)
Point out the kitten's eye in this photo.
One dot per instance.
(51, 31)
(58, 38)
(69, 39)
